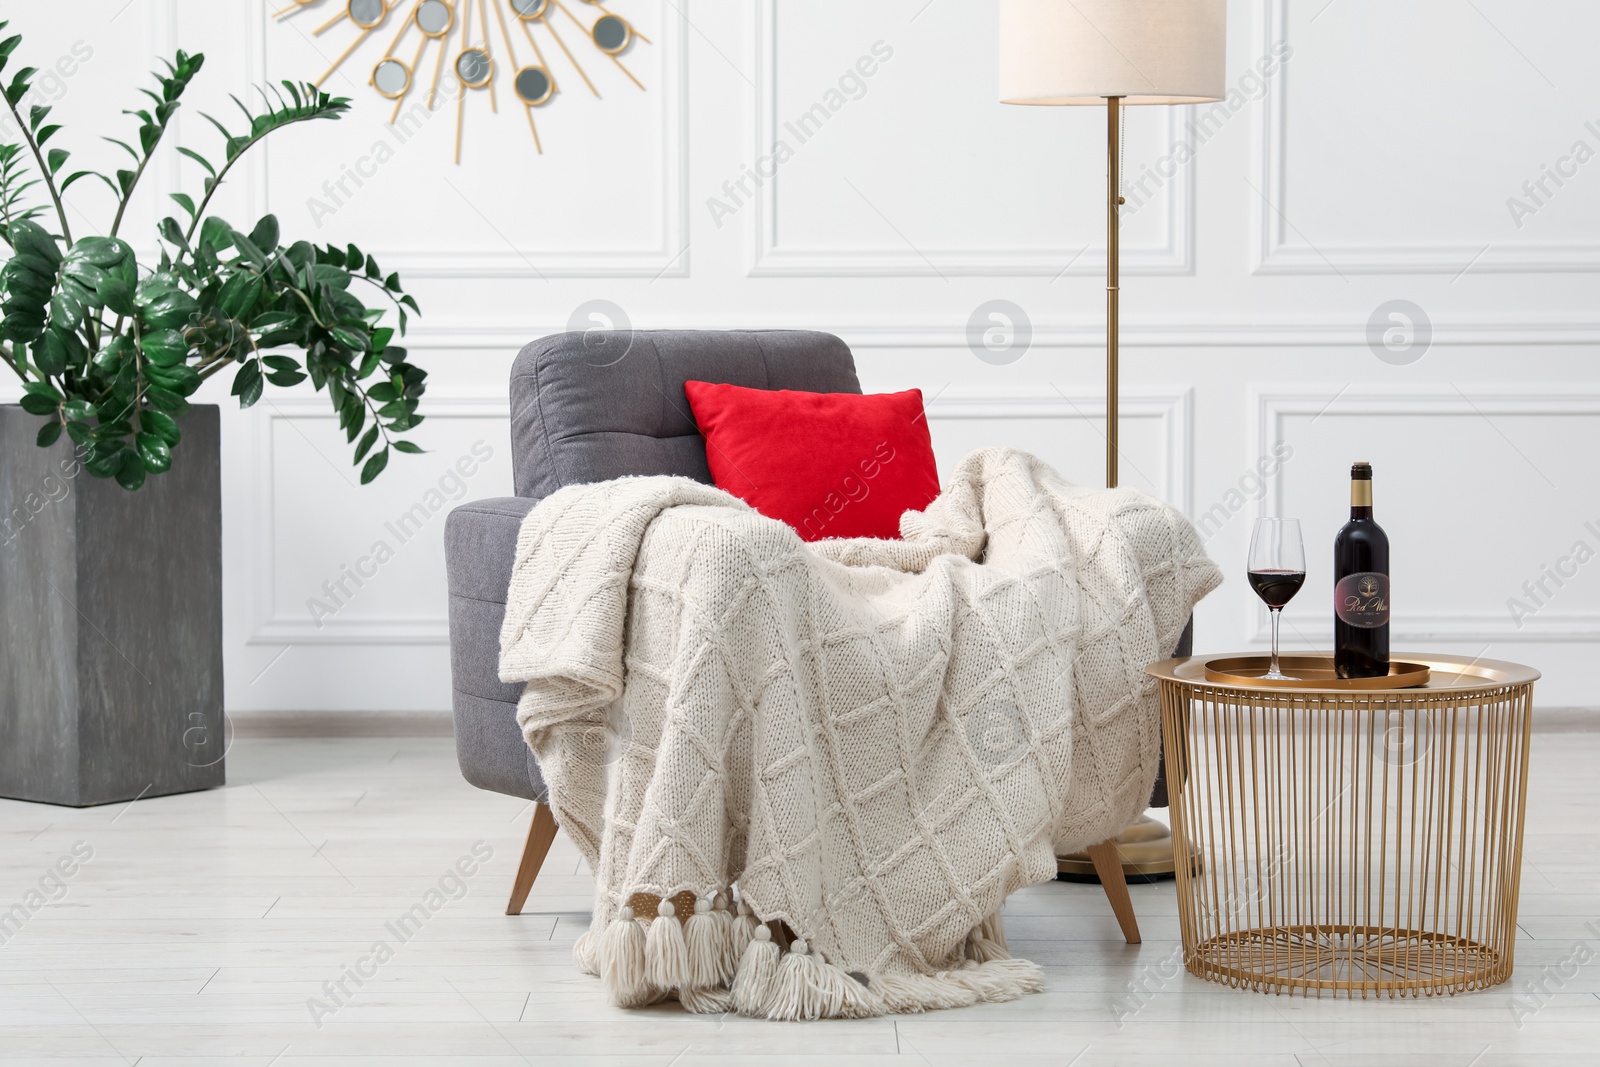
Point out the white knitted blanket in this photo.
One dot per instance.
(871, 743)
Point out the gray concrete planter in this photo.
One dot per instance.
(111, 622)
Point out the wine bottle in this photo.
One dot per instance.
(1361, 586)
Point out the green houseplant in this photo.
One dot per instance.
(111, 680)
(109, 350)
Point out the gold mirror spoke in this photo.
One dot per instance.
(570, 57)
(331, 23)
(476, 64)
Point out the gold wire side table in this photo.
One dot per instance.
(1359, 842)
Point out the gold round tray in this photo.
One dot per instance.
(1308, 672)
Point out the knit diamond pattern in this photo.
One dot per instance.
(878, 741)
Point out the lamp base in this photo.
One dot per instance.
(1145, 848)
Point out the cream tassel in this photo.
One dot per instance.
(583, 952)
(744, 930)
(987, 942)
(998, 980)
(758, 971)
(666, 956)
(810, 988)
(703, 938)
(728, 935)
(994, 929)
(622, 962)
(982, 950)
(902, 993)
(706, 1001)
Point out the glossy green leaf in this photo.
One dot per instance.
(239, 294)
(368, 439)
(247, 383)
(161, 425)
(180, 378)
(375, 465)
(198, 158)
(116, 295)
(105, 460)
(171, 311)
(154, 451)
(164, 347)
(166, 400)
(50, 353)
(131, 471)
(265, 235)
(216, 234)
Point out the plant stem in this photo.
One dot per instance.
(215, 366)
(216, 183)
(44, 172)
(127, 197)
(376, 421)
(5, 352)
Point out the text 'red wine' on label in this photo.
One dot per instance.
(1362, 599)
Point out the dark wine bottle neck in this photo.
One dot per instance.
(1361, 498)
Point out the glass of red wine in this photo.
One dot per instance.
(1277, 571)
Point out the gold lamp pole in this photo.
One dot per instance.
(1114, 53)
(1113, 278)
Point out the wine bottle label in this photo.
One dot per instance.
(1362, 600)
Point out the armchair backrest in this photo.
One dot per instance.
(614, 406)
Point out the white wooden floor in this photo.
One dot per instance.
(205, 927)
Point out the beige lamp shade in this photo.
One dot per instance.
(1082, 51)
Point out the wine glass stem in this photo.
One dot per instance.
(1275, 671)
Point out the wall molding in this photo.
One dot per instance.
(1274, 253)
(666, 257)
(439, 334)
(1274, 406)
(273, 624)
(1171, 409)
(1173, 255)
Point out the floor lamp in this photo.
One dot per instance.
(1113, 53)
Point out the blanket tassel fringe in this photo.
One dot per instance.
(694, 961)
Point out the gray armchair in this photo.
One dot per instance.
(587, 408)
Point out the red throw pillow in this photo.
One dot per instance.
(828, 464)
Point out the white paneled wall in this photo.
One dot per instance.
(844, 166)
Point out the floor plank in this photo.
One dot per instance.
(217, 926)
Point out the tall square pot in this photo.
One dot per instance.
(111, 618)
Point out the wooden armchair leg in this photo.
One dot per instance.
(1108, 867)
(540, 834)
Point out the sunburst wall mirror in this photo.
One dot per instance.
(461, 31)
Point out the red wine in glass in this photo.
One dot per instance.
(1277, 570)
(1276, 586)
